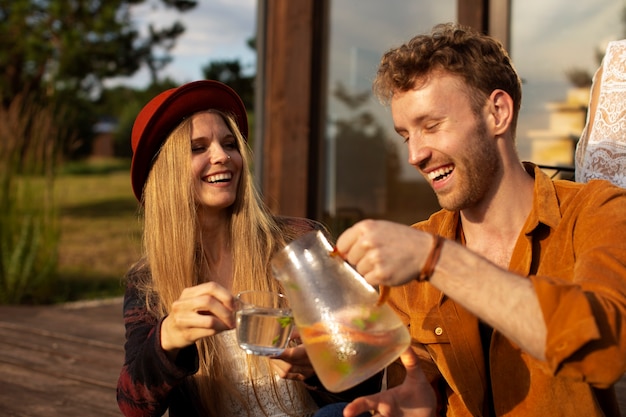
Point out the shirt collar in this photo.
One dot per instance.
(546, 207)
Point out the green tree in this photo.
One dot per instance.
(60, 52)
(125, 103)
(47, 46)
(230, 72)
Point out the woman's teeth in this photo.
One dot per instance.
(219, 178)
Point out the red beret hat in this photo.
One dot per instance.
(167, 110)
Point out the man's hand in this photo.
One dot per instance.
(385, 253)
(413, 398)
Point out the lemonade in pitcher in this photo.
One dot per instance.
(348, 335)
(357, 344)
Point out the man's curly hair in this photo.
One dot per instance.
(479, 60)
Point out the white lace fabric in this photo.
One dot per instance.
(236, 357)
(601, 150)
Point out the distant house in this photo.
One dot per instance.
(104, 137)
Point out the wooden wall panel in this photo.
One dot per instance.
(286, 114)
(473, 13)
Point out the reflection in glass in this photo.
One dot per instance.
(556, 47)
(368, 174)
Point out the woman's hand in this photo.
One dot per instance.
(413, 398)
(201, 311)
(294, 362)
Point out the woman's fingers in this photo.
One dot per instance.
(201, 311)
(293, 363)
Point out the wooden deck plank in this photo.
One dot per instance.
(53, 353)
(30, 392)
(60, 361)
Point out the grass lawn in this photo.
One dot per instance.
(100, 231)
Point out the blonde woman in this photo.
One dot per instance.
(207, 236)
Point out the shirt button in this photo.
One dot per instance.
(438, 331)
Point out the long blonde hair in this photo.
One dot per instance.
(173, 254)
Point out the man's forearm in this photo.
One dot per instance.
(504, 300)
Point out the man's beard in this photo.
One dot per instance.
(479, 167)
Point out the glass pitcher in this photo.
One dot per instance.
(347, 336)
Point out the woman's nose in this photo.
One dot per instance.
(219, 155)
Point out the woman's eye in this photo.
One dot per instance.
(231, 145)
(197, 149)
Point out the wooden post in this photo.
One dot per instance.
(289, 138)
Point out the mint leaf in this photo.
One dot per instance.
(285, 321)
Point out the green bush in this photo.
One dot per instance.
(29, 229)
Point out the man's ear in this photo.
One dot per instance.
(501, 111)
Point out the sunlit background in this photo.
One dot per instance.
(549, 41)
(324, 147)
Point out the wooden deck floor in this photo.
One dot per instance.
(64, 361)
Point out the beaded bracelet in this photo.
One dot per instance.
(431, 260)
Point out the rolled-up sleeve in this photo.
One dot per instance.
(585, 312)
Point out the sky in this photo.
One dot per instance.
(578, 28)
(215, 30)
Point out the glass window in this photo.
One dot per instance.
(368, 175)
(556, 47)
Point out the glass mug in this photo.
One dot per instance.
(264, 322)
(347, 336)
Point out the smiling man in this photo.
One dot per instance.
(515, 292)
